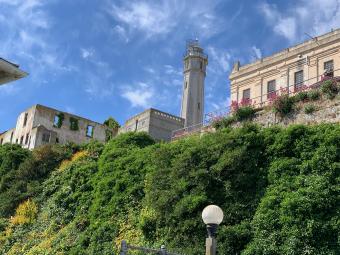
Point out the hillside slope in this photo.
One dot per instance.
(278, 188)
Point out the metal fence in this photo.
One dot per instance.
(125, 247)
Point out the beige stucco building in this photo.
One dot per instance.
(291, 70)
(159, 125)
(9, 72)
(41, 125)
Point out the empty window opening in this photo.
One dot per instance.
(89, 131)
(46, 137)
(201, 65)
(271, 88)
(56, 140)
(298, 79)
(21, 140)
(186, 84)
(74, 125)
(1, 141)
(56, 121)
(246, 94)
(27, 138)
(11, 137)
(199, 106)
(16, 141)
(25, 119)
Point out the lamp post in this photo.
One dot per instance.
(212, 216)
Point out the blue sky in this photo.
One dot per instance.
(116, 58)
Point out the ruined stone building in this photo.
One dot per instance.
(41, 125)
(161, 125)
(157, 124)
(9, 72)
(289, 70)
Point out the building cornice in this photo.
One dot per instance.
(288, 53)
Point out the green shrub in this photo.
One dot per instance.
(224, 122)
(278, 188)
(111, 123)
(329, 88)
(309, 108)
(301, 96)
(314, 95)
(283, 105)
(244, 113)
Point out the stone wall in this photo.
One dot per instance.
(327, 111)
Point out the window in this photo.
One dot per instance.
(21, 140)
(46, 137)
(201, 65)
(25, 119)
(27, 138)
(186, 84)
(56, 121)
(11, 137)
(89, 131)
(328, 66)
(1, 141)
(246, 94)
(56, 140)
(271, 88)
(199, 106)
(186, 64)
(74, 124)
(16, 141)
(298, 79)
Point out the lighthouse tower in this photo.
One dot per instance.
(195, 62)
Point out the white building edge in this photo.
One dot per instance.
(10, 72)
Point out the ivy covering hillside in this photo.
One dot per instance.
(278, 188)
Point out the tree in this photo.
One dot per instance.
(111, 123)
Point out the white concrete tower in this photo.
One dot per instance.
(195, 62)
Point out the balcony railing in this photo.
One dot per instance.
(256, 102)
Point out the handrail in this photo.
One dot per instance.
(125, 247)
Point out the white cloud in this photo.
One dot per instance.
(121, 32)
(219, 60)
(149, 70)
(307, 16)
(139, 96)
(257, 52)
(26, 38)
(86, 53)
(9, 89)
(169, 69)
(161, 17)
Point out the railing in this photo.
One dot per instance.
(187, 130)
(269, 99)
(125, 247)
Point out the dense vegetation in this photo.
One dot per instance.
(278, 188)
